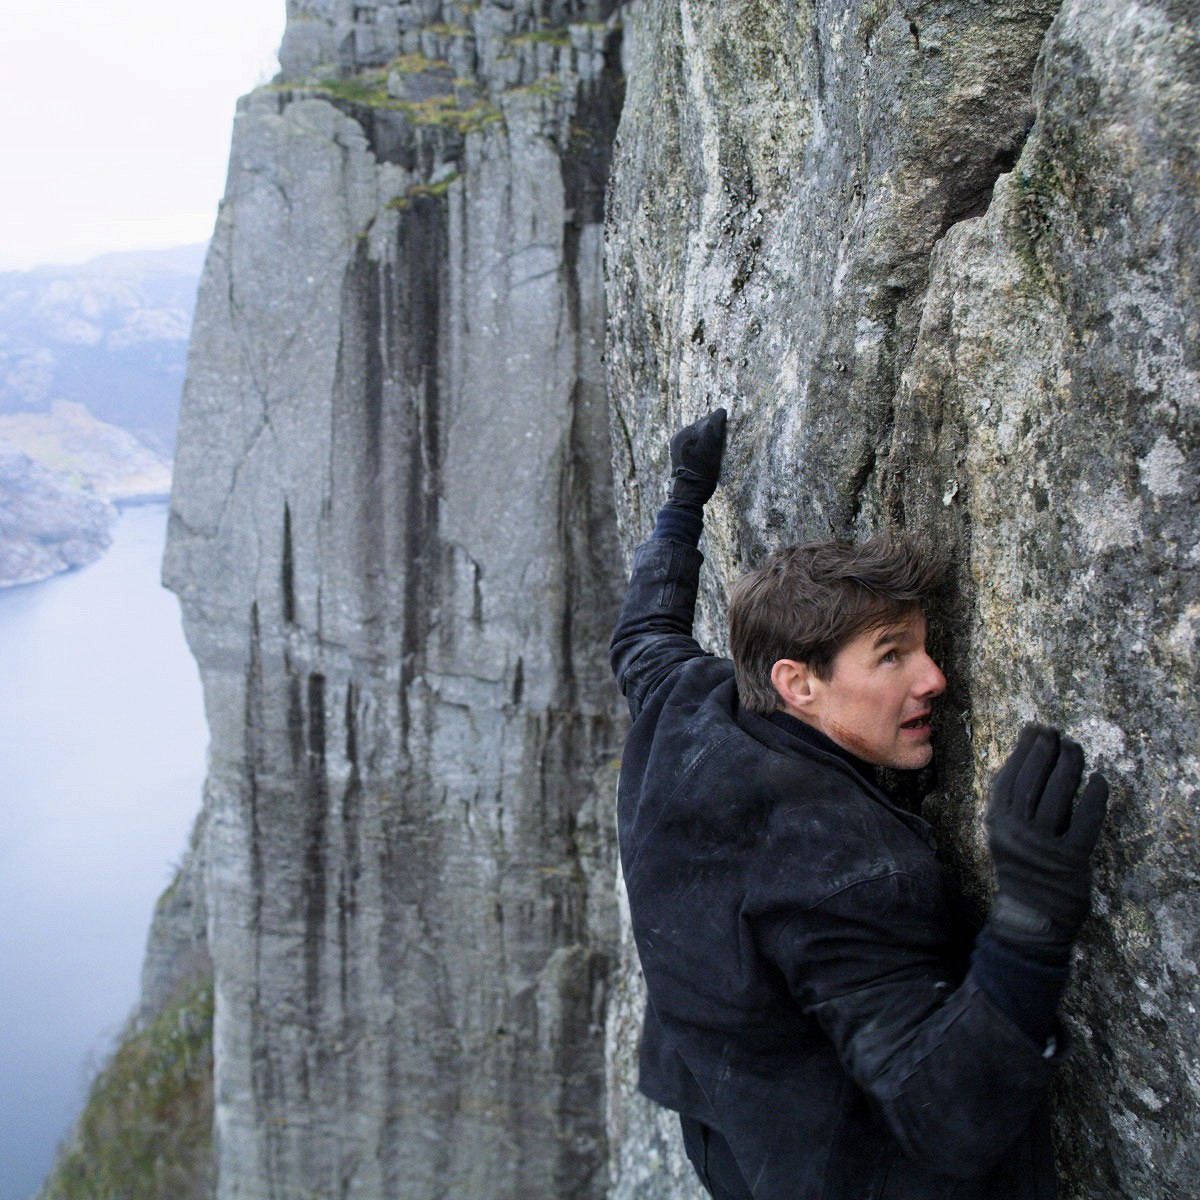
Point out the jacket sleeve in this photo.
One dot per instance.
(955, 1080)
(653, 636)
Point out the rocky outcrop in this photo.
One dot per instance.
(46, 525)
(940, 264)
(392, 536)
(177, 960)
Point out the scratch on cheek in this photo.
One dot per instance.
(850, 741)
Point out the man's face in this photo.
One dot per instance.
(878, 701)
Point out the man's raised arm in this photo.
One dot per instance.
(654, 631)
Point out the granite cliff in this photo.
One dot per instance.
(938, 260)
(392, 536)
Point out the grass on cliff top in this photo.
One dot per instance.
(547, 37)
(370, 88)
(146, 1130)
(416, 64)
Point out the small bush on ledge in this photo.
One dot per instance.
(146, 1130)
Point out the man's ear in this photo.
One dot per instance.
(794, 683)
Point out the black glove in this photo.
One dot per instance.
(1040, 844)
(696, 461)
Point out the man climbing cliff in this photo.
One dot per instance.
(812, 1016)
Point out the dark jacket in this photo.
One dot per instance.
(805, 999)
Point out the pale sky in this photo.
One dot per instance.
(115, 119)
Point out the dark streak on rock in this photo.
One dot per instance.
(415, 334)
(518, 685)
(351, 848)
(316, 719)
(287, 569)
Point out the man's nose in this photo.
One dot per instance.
(931, 682)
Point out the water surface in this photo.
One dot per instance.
(102, 740)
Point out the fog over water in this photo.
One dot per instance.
(102, 741)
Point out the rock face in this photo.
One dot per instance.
(392, 535)
(941, 266)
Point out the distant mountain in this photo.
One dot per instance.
(110, 334)
(87, 454)
(92, 361)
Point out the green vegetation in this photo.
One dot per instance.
(440, 188)
(549, 37)
(417, 64)
(549, 85)
(146, 1131)
(368, 88)
(445, 110)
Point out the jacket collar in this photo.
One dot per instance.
(820, 741)
(785, 734)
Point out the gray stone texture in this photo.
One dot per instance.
(940, 264)
(393, 540)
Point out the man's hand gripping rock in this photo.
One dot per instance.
(696, 453)
(1041, 843)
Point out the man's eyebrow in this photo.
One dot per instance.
(894, 634)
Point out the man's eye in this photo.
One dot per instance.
(890, 656)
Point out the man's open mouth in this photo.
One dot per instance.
(917, 723)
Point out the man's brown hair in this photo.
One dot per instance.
(807, 601)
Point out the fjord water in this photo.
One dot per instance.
(102, 741)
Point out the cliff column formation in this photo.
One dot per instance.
(939, 261)
(392, 536)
